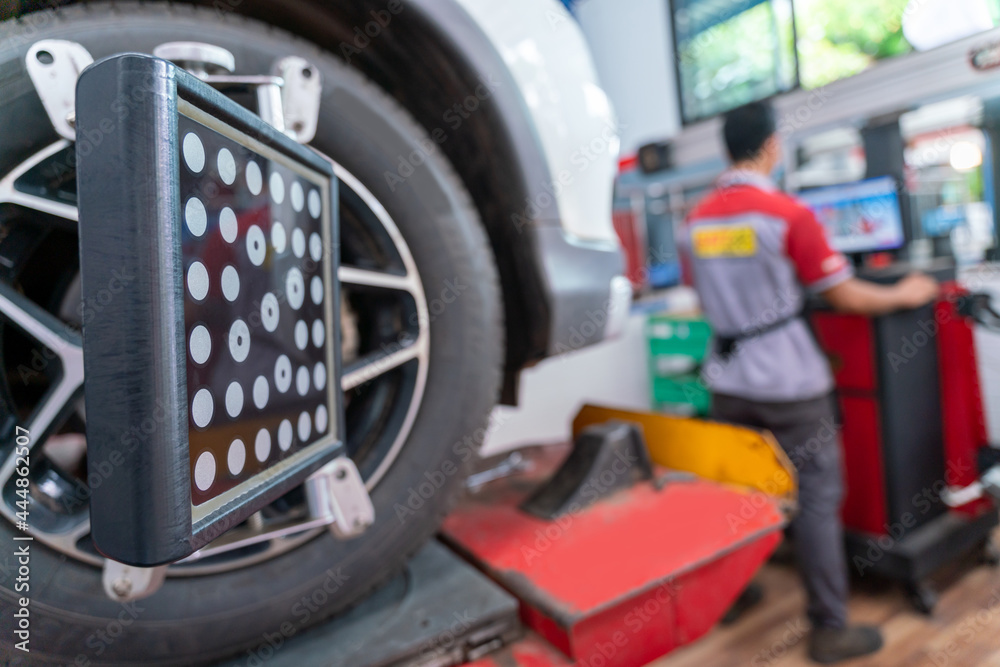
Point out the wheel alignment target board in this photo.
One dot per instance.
(213, 380)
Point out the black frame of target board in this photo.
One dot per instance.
(147, 508)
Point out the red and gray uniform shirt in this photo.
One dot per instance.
(752, 253)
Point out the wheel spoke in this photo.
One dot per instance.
(78, 530)
(351, 276)
(9, 194)
(41, 204)
(56, 403)
(365, 368)
(239, 538)
(65, 538)
(41, 325)
(375, 364)
(64, 343)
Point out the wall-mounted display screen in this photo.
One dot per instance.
(730, 52)
(859, 217)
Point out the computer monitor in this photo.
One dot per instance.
(859, 217)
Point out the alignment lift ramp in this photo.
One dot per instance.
(615, 551)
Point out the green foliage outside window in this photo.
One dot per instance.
(839, 39)
(750, 54)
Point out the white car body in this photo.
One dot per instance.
(544, 49)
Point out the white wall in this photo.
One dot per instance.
(988, 356)
(631, 44)
(988, 350)
(612, 374)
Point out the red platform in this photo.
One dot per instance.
(628, 579)
(531, 651)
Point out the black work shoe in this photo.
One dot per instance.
(749, 598)
(830, 645)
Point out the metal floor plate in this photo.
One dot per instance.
(440, 611)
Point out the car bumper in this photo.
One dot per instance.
(588, 295)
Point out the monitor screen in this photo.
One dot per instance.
(730, 52)
(859, 217)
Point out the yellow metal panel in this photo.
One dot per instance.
(720, 452)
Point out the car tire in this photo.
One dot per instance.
(247, 611)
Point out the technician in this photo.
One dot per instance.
(753, 253)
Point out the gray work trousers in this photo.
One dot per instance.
(809, 433)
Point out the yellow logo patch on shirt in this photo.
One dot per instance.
(724, 241)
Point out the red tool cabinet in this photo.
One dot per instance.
(912, 423)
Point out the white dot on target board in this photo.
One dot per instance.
(194, 152)
(202, 408)
(228, 226)
(204, 471)
(318, 333)
(230, 283)
(197, 280)
(319, 376)
(269, 312)
(315, 247)
(298, 197)
(316, 290)
(239, 340)
(195, 216)
(283, 374)
(321, 420)
(262, 445)
(200, 344)
(278, 238)
(234, 399)
(277, 187)
(295, 288)
(255, 180)
(226, 165)
(301, 335)
(305, 426)
(237, 457)
(256, 245)
(261, 392)
(314, 203)
(298, 243)
(285, 435)
(302, 380)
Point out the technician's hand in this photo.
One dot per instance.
(916, 289)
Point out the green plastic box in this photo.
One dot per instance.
(678, 337)
(677, 348)
(685, 394)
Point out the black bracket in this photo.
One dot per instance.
(606, 458)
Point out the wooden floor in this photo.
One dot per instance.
(964, 630)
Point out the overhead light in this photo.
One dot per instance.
(965, 156)
(928, 24)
